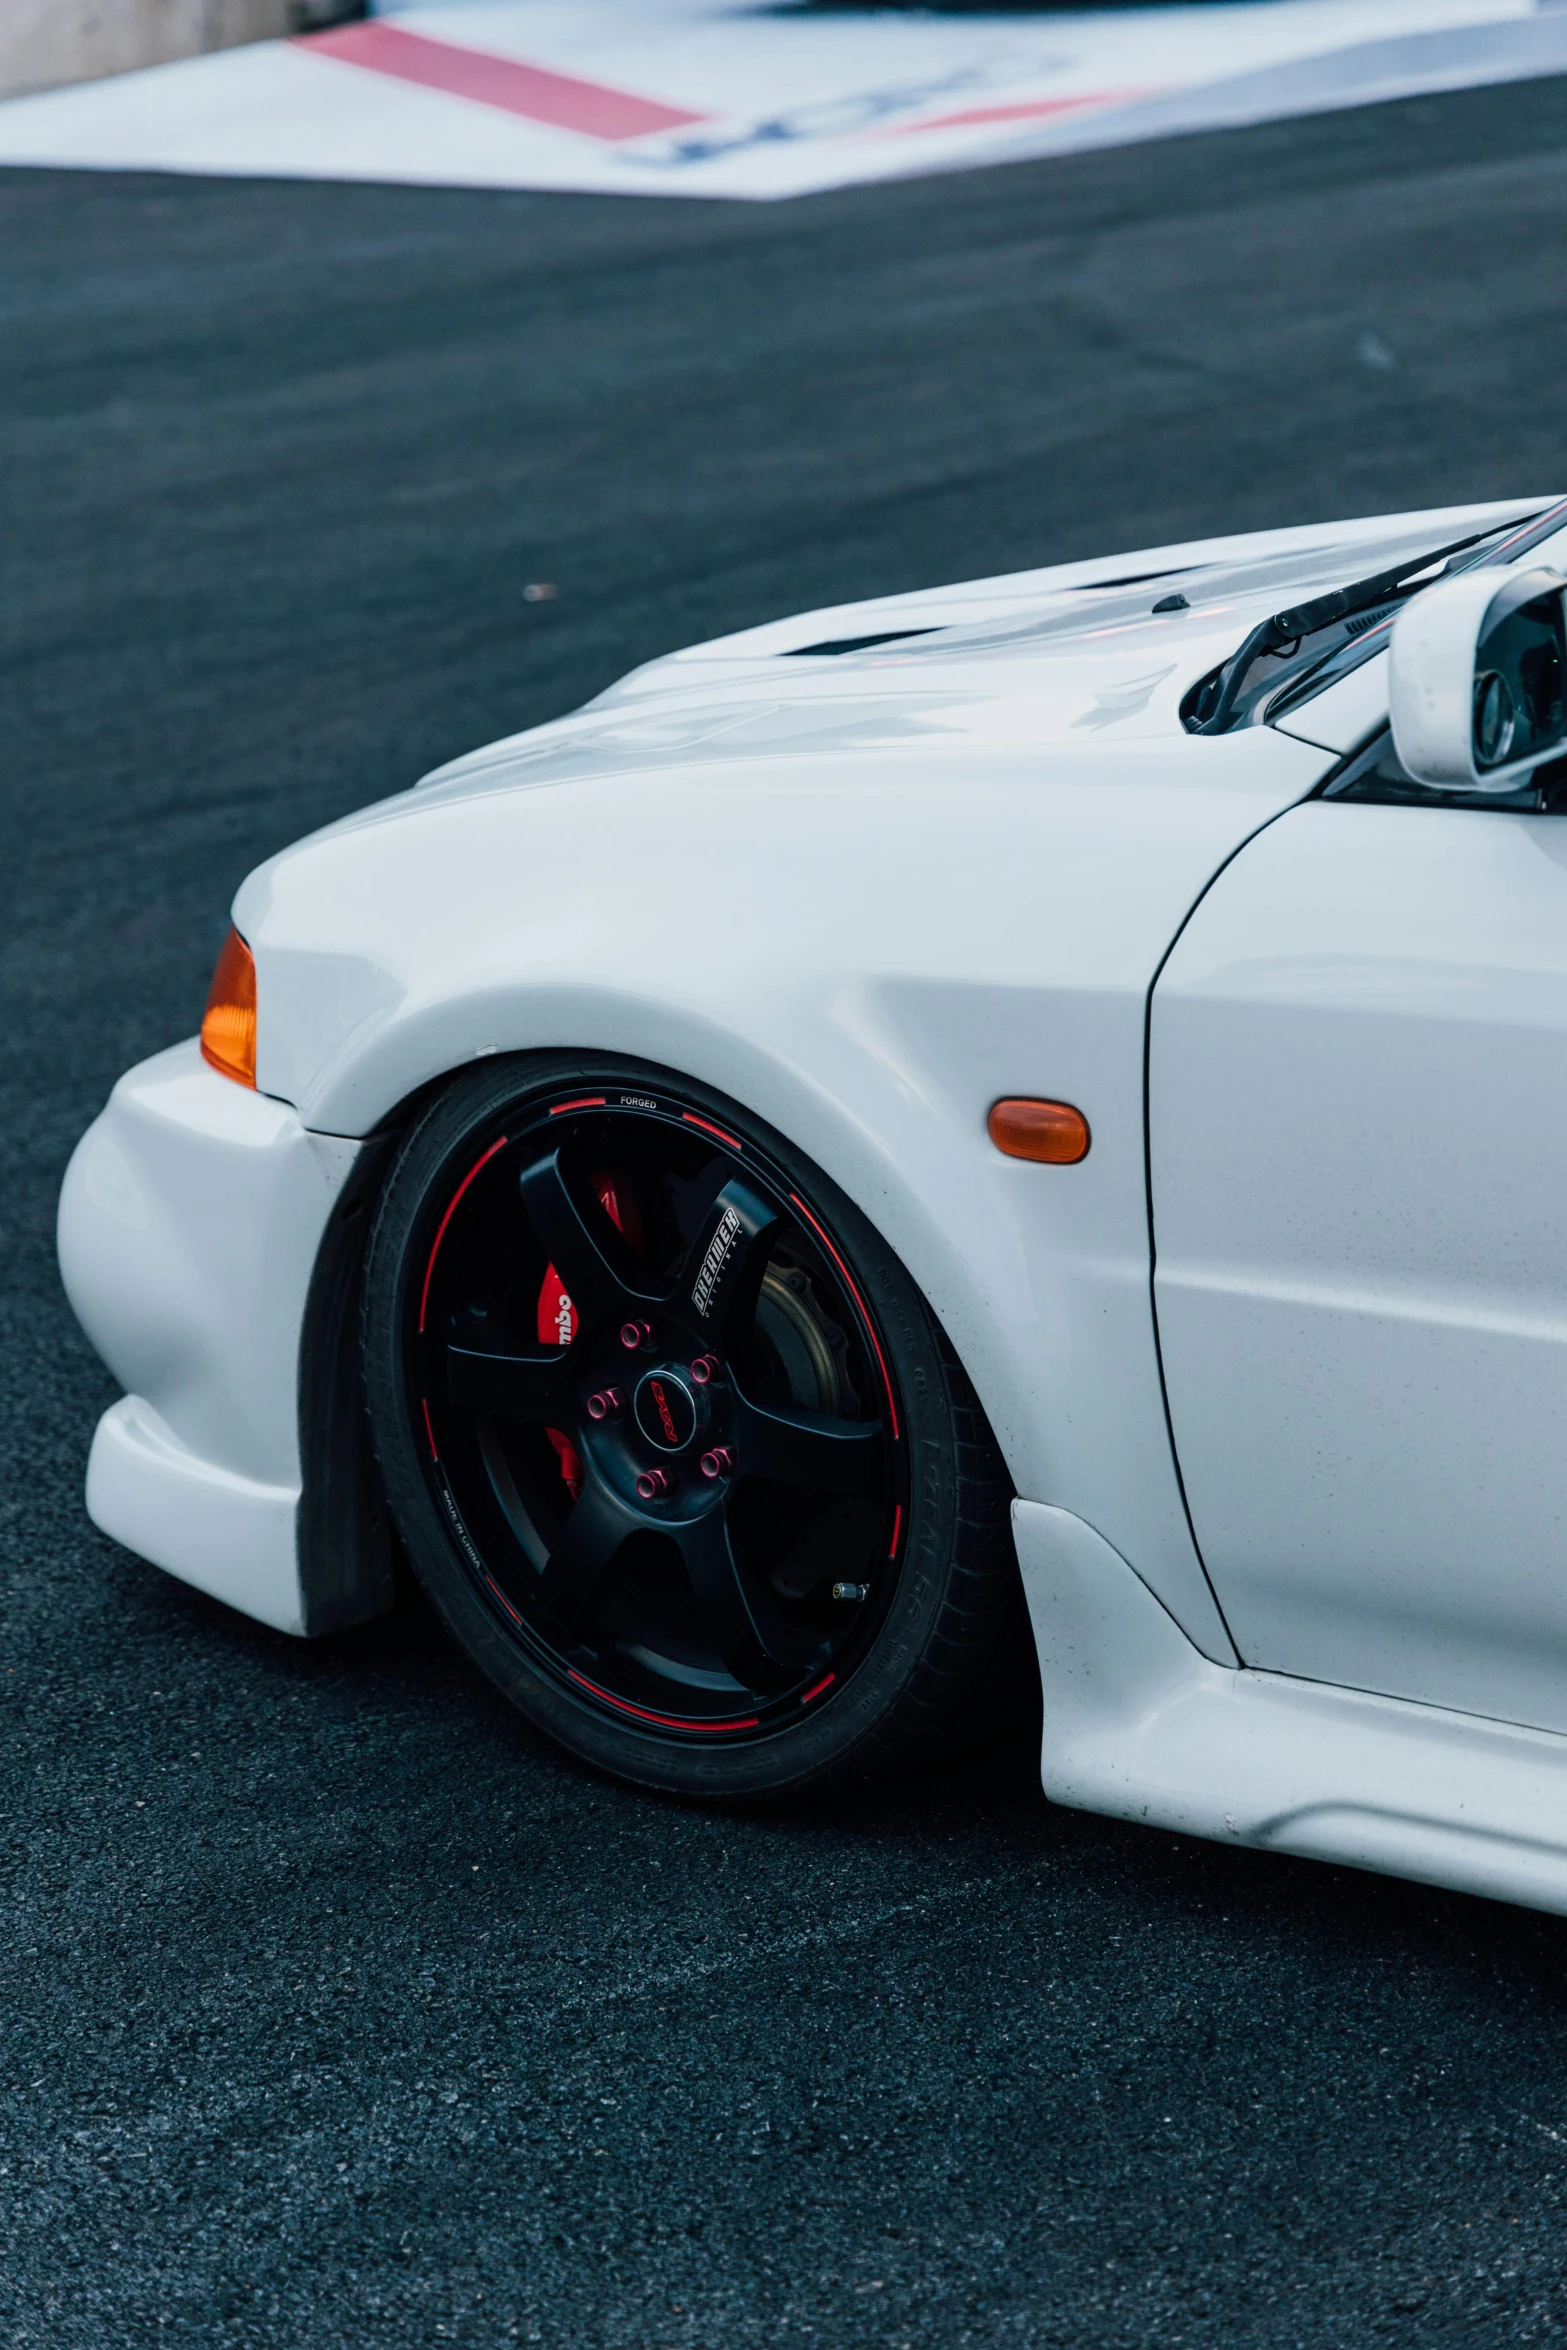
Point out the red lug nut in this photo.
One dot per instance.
(705, 1368)
(606, 1403)
(635, 1334)
(653, 1482)
(718, 1462)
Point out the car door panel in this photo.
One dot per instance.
(1358, 1161)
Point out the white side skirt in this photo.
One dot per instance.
(1139, 1725)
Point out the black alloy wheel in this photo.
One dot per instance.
(671, 1439)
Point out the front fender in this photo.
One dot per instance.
(865, 952)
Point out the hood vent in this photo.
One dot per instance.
(857, 644)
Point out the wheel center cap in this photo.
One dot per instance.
(665, 1410)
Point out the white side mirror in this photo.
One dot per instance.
(1476, 673)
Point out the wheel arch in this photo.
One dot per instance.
(865, 962)
(898, 1163)
(913, 1157)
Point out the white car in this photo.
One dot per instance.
(1054, 1088)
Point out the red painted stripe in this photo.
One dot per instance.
(664, 1721)
(501, 1596)
(424, 1295)
(881, 1360)
(691, 1119)
(820, 1686)
(595, 1101)
(533, 91)
(429, 1431)
(897, 1528)
(1024, 110)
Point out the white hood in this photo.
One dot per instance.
(1029, 659)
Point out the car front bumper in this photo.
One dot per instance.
(191, 1217)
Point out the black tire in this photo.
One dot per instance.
(833, 1601)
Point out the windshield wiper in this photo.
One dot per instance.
(1283, 633)
(1214, 703)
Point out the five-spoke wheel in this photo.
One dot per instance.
(642, 1422)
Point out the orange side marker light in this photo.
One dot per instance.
(228, 1032)
(1053, 1133)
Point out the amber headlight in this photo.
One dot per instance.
(228, 1031)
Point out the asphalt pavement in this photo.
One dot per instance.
(334, 2007)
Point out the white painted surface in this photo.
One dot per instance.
(781, 103)
(881, 948)
(973, 854)
(1344, 715)
(231, 1536)
(1358, 1125)
(921, 876)
(1138, 1725)
(190, 1218)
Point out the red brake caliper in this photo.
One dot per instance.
(558, 1316)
